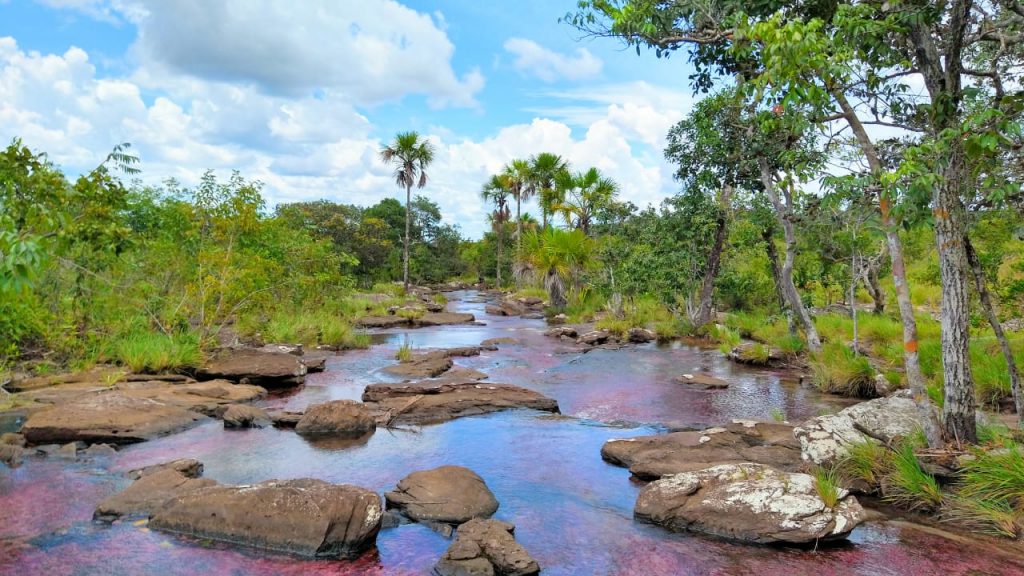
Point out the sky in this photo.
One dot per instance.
(302, 95)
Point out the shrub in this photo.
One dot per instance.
(154, 352)
(838, 370)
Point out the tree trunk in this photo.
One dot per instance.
(993, 319)
(911, 360)
(853, 302)
(873, 285)
(707, 289)
(501, 250)
(784, 214)
(768, 235)
(405, 246)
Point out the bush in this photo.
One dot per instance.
(838, 370)
(154, 352)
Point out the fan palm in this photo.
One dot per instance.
(517, 179)
(497, 192)
(559, 257)
(410, 155)
(544, 168)
(583, 195)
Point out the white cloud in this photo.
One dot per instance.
(550, 66)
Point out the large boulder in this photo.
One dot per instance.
(431, 402)
(148, 493)
(748, 502)
(267, 369)
(651, 457)
(449, 494)
(823, 439)
(306, 517)
(346, 418)
(107, 417)
(486, 548)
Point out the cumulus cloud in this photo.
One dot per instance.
(550, 66)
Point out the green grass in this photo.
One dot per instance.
(531, 292)
(321, 327)
(404, 353)
(672, 328)
(908, 485)
(866, 461)
(154, 352)
(791, 345)
(838, 370)
(997, 518)
(994, 475)
(619, 328)
(778, 415)
(826, 482)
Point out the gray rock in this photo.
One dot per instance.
(148, 493)
(823, 439)
(346, 418)
(243, 416)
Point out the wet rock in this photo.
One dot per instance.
(702, 381)
(449, 494)
(464, 374)
(651, 457)
(382, 321)
(109, 417)
(494, 310)
(208, 398)
(422, 366)
(316, 362)
(266, 369)
(756, 354)
(486, 547)
(641, 335)
(12, 439)
(594, 338)
(285, 418)
(823, 439)
(69, 451)
(561, 332)
(242, 416)
(188, 467)
(431, 402)
(293, 349)
(558, 319)
(99, 450)
(748, 502)
(11, 455)
(148, 493)
(346, 418)
(495, 342)
(307, 517)
(443, 319)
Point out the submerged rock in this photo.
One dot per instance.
(823, 439)
(307, 517)
(346, 418)
(149, 493)
(431, 402)
(486, 547)
(241, 416)
(702, 381)
(449, 494)
(267, 369)
(109, 417)
(651, 457)
(748, 502)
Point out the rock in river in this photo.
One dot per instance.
(443, 319)
(336, 418)
(748, 502)
(486, 548)
(242, 416)
(702, 381)
(108, 417)
(267, 369)
(449, 494)
(149, 493)
(306, 517)
(824, 439)
(651, 457)
(431, 402)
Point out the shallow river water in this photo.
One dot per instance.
(572, 511)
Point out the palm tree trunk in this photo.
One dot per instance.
(784, 215)
(990, 312)
(501, 243)
(405, 247)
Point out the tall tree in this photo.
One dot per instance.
(584, 194)
(544, 168)
(496, 191)
(410, 155)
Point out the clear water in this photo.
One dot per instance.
(573, 512)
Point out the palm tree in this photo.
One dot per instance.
(410, 155)
(517, 178)
(559, 257)
(544, 168)
(497, 192)
(583, 194)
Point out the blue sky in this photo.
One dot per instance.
(302, 95)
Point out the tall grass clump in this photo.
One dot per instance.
(404, 353)
(839, 370)
(908, 485)
(826, 482)
(672, 328)
(868, 462)
(154, 352)
(989, 494)
(319, 328)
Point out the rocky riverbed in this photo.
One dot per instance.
(557, 443)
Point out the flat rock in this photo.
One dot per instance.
(443, 319)
(561, 332)
(823, 439)
(346, 418)
(267, 369)
(424, 366)
(748, 502)
(148, 493)
(108, 417)
(755, 354)
(315, 363)
(504, 340)
(449, 494)
(208, 397)
(486, 547)
(12, 439)
(306, 517)
(188, 467)
(594, 338)
(285, 418)
(702, 381)
(382, 321)
(651, 457)
(431, 402)
(242, 416)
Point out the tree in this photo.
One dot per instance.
(583, 195)
(496, 192)
(410, 155)
(559, 257)
(517, 181)
(544, 169)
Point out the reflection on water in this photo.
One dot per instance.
(573, 512)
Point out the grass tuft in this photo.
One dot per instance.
(404, 353)
(153, 352)
(838, 370)
(826, 482)
(908, 485)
